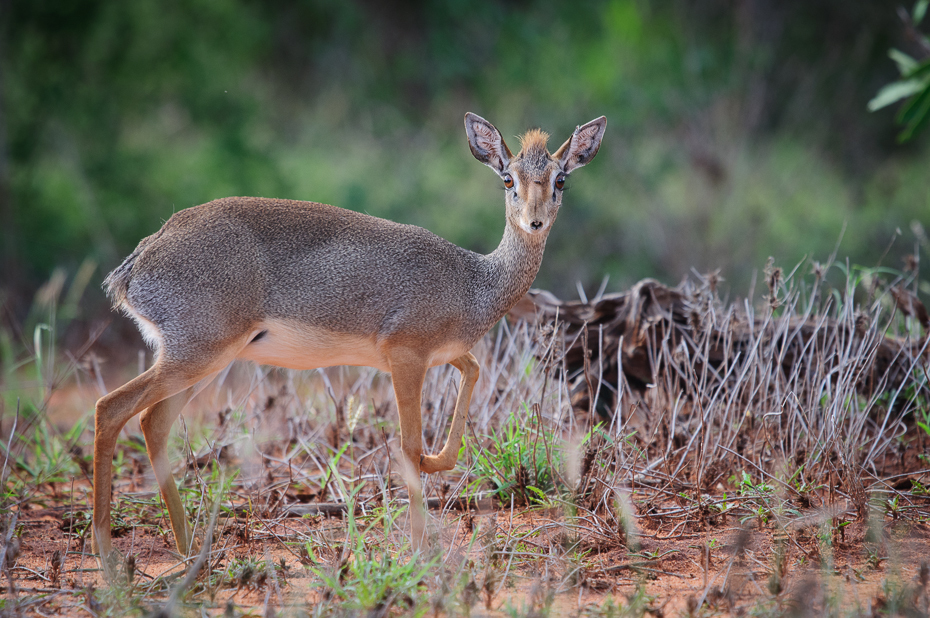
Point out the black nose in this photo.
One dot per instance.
(536, 224)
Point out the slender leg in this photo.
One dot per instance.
(156, 424)
(449, 454)
(171, 374)
(111, 413)
(407, 374)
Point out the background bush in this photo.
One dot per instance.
(737, 130)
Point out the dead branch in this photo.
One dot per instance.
(689, 320)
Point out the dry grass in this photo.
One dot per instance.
(730, 484)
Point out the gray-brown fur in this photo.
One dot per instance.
(223, 266)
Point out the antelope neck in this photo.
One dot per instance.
(510, 270)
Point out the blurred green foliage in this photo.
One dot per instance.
(914, 84)
(737, 130)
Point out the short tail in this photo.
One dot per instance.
(117, 282)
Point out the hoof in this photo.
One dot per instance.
(195, 546)
(112, 564)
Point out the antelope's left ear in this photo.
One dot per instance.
(486, 143)
(582, 145)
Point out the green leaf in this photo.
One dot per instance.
(916, 115)
(920, 10)
(540, 494)
(894, 92)
(920, 71)
(905, 63)
(913, 107)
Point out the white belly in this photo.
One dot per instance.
(296, 346)
(446, 353)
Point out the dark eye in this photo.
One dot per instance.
(508, 181)
(560, 182)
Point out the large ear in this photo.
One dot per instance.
(582, 145)
(486, 143)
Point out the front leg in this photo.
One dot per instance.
(445, 460)
(408, 370)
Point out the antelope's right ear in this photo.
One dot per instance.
(582, 145)
(486, 143)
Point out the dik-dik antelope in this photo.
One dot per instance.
(305, 285)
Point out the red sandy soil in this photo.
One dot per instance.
(677, 570)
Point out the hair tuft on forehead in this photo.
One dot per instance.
(533, 143)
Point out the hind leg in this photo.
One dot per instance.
(156, 424)
(161, 381)
(111, 414)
